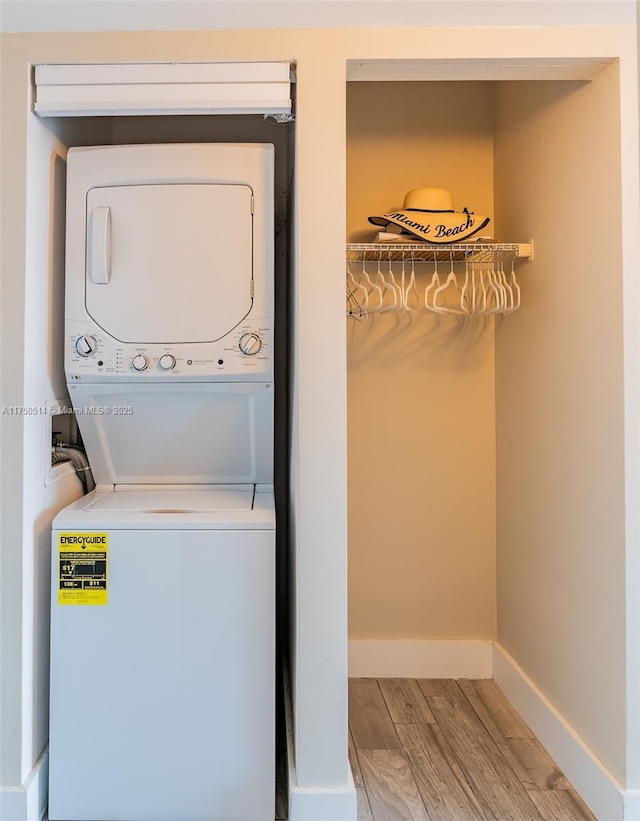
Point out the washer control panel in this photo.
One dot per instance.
(244, 354)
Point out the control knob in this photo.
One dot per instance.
(250, 344)
(140, 362)
(86, 345)
(167, 362)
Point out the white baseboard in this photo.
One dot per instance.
(589, 776)
(323, 804)
(29, 801)
(315, 803)
(420, 659)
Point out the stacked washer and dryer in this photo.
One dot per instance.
(163, 601)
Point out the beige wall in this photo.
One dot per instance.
(421, 414)
(559, 387)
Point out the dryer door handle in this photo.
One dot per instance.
(99, 245)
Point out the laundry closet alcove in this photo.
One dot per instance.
(102, 105)
(486, 454)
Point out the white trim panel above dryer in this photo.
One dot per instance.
(110, 89)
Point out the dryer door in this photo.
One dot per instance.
(169, 263)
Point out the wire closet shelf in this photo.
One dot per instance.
(466, 278)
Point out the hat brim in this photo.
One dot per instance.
(437, 228)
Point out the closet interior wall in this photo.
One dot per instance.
(559, 402)
(421, 389)
(486, 470)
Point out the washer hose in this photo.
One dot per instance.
(78, 457)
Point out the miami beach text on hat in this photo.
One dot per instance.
(440, 230)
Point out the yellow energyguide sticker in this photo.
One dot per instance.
(82, 568)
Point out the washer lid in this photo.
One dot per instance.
(169, 263)
(174, 500)
(181, 433)
(212, 508)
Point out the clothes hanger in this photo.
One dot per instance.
(411, 287)
(451, 280)
(386, 288)
(397, 287)
(465, 301)
(435, 283)
(513, 282)
(494, 303)
(372, 288)
(508, 290)
(357, 297)
(501, 284)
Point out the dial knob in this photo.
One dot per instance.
(167, 362)
(140, 362)
(86, 345)
(250, 344)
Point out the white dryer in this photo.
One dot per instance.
(163, 613)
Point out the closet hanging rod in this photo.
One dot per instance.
(422, 252)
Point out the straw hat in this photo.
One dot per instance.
(429, 214)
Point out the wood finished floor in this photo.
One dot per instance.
(450, 750)
(445, 750)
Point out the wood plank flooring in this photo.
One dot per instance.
(445, 750)
(450, 750)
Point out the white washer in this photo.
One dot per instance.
(163, 613)
(163, 700)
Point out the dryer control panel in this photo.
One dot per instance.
(245, 354)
